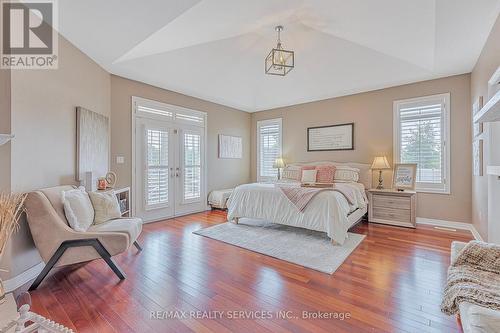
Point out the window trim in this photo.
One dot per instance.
(259, 124)
(445, 141)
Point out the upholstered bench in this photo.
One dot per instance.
(475, 318)
(218, 198)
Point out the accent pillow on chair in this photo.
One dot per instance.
(106, 206)
(78, 209)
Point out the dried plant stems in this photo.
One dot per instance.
(11, 208)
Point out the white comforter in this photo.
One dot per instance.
(327, 211)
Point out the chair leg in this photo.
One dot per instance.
(107, 258)
(139, 248)
(53, 260)
(94, 242)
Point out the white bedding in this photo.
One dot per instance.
(327, 211)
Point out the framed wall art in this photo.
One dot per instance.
(477, 157)
(230, 146)
(331, 137)
(476, 107)
(92, 143)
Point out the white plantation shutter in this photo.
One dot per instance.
(269, 141)
(156, 168)
(421, 137)
(192, 166)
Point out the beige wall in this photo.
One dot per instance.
(222, 173)
(5, 129)
(44, 117)
(44, 122)
(372, 113)
(486, 65)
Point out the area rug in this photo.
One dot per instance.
(303, 247)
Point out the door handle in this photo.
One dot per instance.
(171, 172)
(177, 172)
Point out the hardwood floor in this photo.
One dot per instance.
(391, 283)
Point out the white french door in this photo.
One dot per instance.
(169, 163)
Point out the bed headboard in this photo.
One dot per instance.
(365, 175)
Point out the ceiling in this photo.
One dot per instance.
(215, 49)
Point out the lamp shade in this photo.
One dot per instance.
(380, 163)
(278, 163)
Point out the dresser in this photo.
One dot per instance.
(393, 207)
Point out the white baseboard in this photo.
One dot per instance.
(451, 224)
(23, 278)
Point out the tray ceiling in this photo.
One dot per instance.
(215, 49)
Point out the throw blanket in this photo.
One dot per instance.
(474, 277)
(301, 196)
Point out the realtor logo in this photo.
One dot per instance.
(29, 36)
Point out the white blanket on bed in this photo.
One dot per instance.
(327, 212)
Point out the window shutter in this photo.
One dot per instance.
(269, 133)
(152, 110)
(192, 166)
(157, 167)
(422, 135)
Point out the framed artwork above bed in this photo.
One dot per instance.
(331, 137)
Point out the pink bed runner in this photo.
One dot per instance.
(301, 196)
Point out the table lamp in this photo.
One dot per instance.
(380, 163)
(279, 164)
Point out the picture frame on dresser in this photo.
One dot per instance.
(404, 176)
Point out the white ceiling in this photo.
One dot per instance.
(215, 49)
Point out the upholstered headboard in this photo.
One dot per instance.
(365, 176)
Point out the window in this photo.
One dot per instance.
(157, 168)
(192, 166)
(421, 136)
(269, 148)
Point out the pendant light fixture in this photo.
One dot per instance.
(279, 61)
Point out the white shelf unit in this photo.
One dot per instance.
(493, 170)
(489, 112)
(4, 138)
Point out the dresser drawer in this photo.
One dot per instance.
(391, 214)
(390, 201)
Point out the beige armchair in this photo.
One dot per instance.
(60, 245)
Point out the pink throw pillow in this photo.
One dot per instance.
(325, 173)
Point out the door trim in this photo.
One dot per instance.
(134, 116)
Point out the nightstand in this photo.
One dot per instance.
(392, 207)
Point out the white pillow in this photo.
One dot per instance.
(292, 172)
(346, 174)
(78, 209)
(106, 206)
(309, 176)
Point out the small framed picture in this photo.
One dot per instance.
(404, 176)
(476, 107)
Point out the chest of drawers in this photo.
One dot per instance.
(392, 207)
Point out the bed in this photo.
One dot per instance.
(328, 211)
